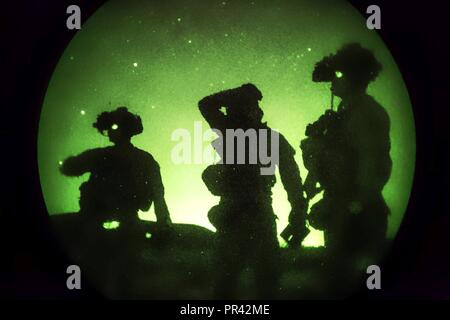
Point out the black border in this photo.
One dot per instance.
(418, 263)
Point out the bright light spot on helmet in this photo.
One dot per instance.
(223, 110)
(114, 126)
(339, 74)
(109, 225)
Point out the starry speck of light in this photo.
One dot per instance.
(148, 235)
(179, 19)
(60, 162)
(114, 126)
(189, 41)
(309, 49)
(135, 64)
(72, 57)
(82, 112)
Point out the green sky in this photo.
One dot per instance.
(160, 58)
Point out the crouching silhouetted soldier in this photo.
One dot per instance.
(123, 179)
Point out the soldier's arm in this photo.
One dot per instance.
(78, 165)
(210, 109)
(157, 189)
(292, 182)
(371, 144)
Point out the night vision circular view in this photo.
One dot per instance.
(226, 149)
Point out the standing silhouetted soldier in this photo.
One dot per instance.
(347, 153)
(244, 218)
(123, 179)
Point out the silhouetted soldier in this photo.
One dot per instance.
(123, 179)
(347, 153)
(244, 218)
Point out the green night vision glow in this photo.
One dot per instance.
(187, 50)
(111, 225)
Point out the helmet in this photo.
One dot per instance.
(356, 63)
(121, 119)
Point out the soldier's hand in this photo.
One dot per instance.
(165, 223)
(145, 205)
(298, 234)
(165, 232)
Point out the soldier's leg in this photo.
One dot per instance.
(339, 238)
(227, 267)
(267, 263)
(373, 225)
